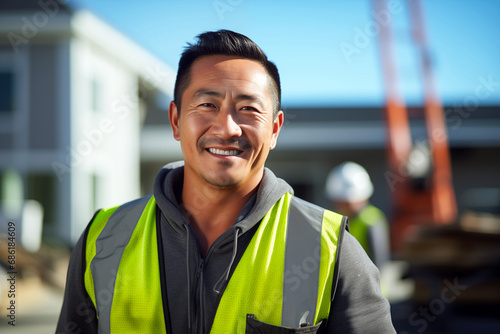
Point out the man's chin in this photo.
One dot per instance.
(222, 181)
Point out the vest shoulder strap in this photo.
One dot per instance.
(285, 276)
(115, 257)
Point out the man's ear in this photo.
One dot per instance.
(173, 116)
(277, 124)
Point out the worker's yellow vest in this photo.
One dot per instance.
(284, 278)
(358, 226)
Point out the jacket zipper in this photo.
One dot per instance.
(200, 315)
(200, 319)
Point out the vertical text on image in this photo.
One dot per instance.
(11, 273)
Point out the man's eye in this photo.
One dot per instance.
(249, 108)
(207, 105)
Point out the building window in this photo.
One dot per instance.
(42, 187)
(95, 192)
(6, 92)
(95, 95)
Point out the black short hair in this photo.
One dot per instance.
(229, 43)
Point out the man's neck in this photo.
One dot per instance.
(212, 210)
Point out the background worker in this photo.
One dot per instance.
(349, 187)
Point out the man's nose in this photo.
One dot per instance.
(226, 124)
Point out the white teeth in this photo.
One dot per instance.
(222, 152)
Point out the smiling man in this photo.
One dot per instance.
(226, 128)
(222, 245)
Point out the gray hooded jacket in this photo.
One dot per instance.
(194, 284)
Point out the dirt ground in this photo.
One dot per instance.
(35, 289)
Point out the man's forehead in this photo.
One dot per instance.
(218, 58)
(247, 71)
(228, 65)
(205, 64)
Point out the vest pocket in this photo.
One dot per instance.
(254, 326)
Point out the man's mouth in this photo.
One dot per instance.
(224, 152)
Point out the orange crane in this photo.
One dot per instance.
(432, 202)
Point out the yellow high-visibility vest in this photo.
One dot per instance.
(284, 278)
(358, 225)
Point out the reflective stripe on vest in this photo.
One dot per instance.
(284, 277)
(122, 278)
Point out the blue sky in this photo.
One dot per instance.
(325, 51)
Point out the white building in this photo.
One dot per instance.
(83, 123)
(73, 97)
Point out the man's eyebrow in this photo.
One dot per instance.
(250, 97)
(240, 97)
(206, 92)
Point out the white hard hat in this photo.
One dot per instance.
(349, 182)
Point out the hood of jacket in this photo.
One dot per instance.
(168, 188)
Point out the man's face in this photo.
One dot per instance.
(226, 126)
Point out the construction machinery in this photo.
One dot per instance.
(453, 261)
(419, 175)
